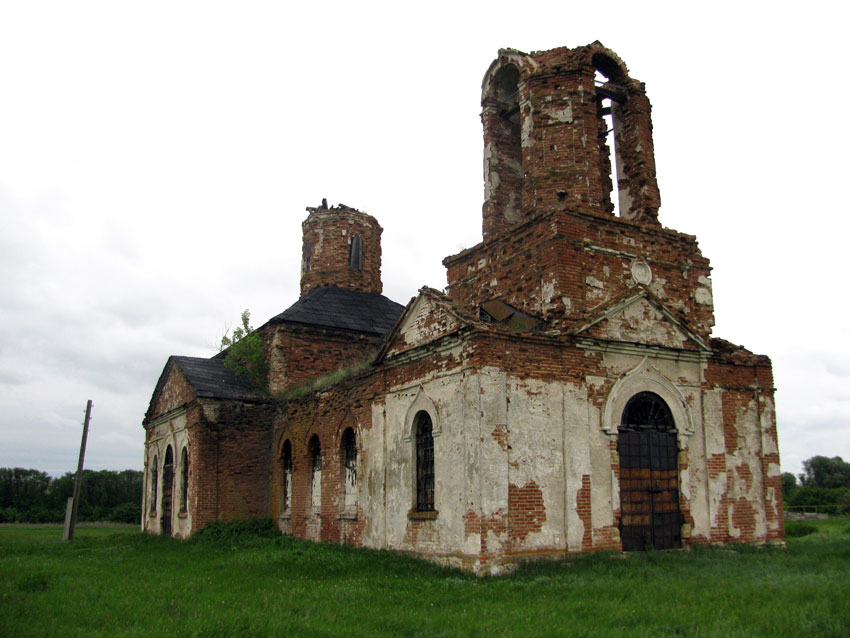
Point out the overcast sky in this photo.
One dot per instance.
(156, 159)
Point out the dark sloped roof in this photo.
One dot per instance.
(208, 377)
(212, 380)
(332, 307)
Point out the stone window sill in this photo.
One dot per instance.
(183, 515)
(284, 517)
(346, 516)
(413, 515)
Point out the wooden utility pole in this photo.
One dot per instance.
(71, 522)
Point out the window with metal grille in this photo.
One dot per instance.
(184, 480)
(286, 467)
(647, 410)
(424, 463)
(355, 253)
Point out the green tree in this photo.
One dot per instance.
(822, 471)
(23, 489)
(245, 354)
(31, 496)
(789, 485)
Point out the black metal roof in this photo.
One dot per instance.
(331, 307)
(211, 379)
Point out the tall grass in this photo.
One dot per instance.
(116, 582)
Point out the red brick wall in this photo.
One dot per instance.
(326, 415)
(329, 231)
(565, 161)
(567, 250)
(298, 354)
(230, 461)
(747, 384)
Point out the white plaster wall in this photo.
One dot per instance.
(491, 499)
(167, 431)
(745, 472)
(577, 459)
(715, 448)
(492, 430)
(536, 454)
(390, 472)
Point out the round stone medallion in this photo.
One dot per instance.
(641, 272)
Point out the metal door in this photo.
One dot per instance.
(649, 476)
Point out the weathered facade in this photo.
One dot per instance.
(564, 394)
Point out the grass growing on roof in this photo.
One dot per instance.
(250, 581)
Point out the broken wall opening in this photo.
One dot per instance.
(609, 82)
(503, 170)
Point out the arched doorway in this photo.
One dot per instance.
(649, 475)
(167, 490)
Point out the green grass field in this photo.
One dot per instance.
(113, 581)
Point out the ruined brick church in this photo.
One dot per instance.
(563, 394)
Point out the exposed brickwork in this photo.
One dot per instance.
(580, 264)
(526, 511)
(523, 414)
(328, 236)
(297, 354)
(543, 148)
(584, 510)
(325, 415)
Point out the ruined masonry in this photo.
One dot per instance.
(563, 394)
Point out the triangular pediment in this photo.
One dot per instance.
(172, 391)
(640, 317)
(186, 378)
(427, 318)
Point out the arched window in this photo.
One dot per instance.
(647, 410)
(349, 470)
(315, 450)
(355, 253)
(184, 480)
(424, 463)
(286, 475)
(167, 490)
(154, 486)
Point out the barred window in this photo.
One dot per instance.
(424, 463)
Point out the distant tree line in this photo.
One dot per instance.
(825, 482)
(32, 496)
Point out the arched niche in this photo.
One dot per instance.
(422, 403)
(646, 378)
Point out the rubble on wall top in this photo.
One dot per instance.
(324, 207)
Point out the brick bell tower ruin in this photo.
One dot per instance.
(546, 121)
(564, 393)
